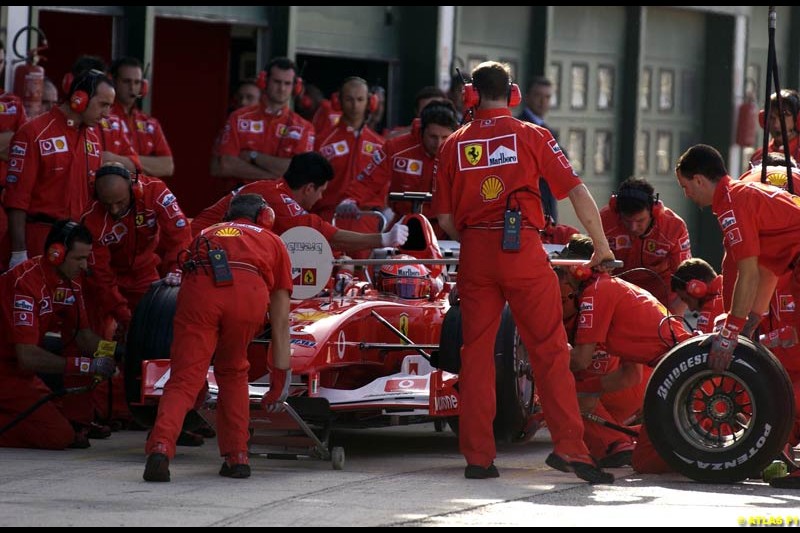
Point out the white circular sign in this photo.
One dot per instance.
(312, 260)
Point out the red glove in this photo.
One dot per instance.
(724, 343)
(280, 380)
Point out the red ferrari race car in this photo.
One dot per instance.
(365, 357)
(362, 356)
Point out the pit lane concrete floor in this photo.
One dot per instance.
(402, 476)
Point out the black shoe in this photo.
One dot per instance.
(616, 460)
(479, 472)
(187, 438)
(586, 471)
(237, 471)
(156, 468)
(99, 431)
(81, 441)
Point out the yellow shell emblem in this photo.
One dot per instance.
(473, 153)
(491, 188)
(228, 232)
(777, 179)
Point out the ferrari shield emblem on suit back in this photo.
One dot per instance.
(473, 152)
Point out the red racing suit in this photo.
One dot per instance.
(349, 151)
(54, 175)
(282, 134)
(144, 132)
(711, 308)
(762, 221)
(211, 321)
(325, 118)
(288, 213)
(631, 324)
(12, 116)
(557, 233)
(479, 166)
(661, 249)
(124, 262)
(114, 139)
(402, 165)
(34, 300)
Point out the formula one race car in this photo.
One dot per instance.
(362, 355)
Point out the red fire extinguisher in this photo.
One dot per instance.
(28, 76)
(746, 122)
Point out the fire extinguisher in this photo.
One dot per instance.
(28, 76)
(746, 122)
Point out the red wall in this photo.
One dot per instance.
(190, 89)
(70, 35)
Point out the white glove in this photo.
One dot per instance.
(173, 279)
(347, 208)
(17, 258)
(397, 236)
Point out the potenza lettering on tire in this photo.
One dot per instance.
(718, 427)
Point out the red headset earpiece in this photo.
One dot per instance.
(266, 217)
(514, 95)
(57, 253)
(298, 87)
(762, 119)
(696, 288)
(581, 272)
(261, 80)
(79, 101)
(66, 82)
(470, 95)
(145, 88)
(336, 105)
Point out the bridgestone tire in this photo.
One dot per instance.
(513, 379)
(150, 337)
(719, 427)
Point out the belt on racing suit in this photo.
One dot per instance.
(237, 265)
(496, 226)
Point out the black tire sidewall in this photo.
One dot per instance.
(773, 403)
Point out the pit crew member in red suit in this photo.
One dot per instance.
(491, 164)
(631, 324)
(210, 320)
(258, 141)
(41, 295)
(143, 130)
(350, 147)
(128, 218)
(61, 153)
(643, 232)
(405, 163)
(700, 287)
(12, 116)
(791, 113)
(292, 197)
(760, 224)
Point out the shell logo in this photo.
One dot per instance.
(491, 188)
(228, 232)
(60, 144)
(369, 147)
(414, 167)
(777, 179)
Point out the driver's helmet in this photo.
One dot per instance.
(405, 281)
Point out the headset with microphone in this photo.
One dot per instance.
(472, 97)
(57, 247)
(697, 288)
(282, 63)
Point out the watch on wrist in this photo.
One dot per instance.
(253, 157)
